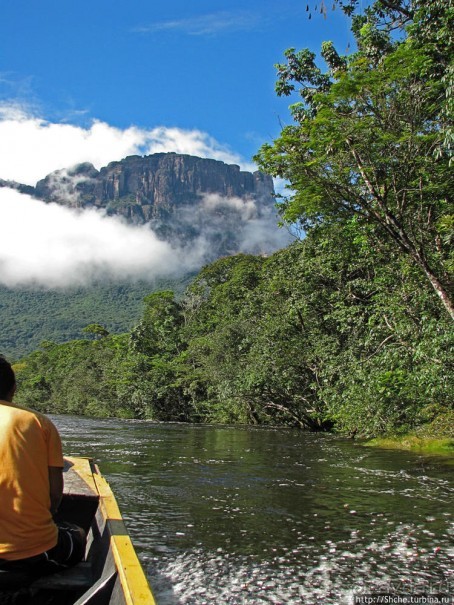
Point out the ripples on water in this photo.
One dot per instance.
(223, 515)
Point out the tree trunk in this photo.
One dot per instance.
(438, 287)
(397, 232)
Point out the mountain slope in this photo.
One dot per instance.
(32, 316)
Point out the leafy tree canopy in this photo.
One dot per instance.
(369, 138)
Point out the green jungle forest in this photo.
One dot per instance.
(32, 315)
(350, 327)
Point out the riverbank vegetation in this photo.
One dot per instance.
(349, 328)
(421, 445)
(327, 333)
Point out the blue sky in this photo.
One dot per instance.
(202, 65)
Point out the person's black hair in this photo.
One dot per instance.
(7, 378)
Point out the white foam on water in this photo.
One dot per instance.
(328, 574)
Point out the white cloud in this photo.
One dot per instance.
(31, 147)
(208, 24)
(52, 246)
(246, 208)
(191, 142)
(256, 232)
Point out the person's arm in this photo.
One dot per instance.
(56, 487)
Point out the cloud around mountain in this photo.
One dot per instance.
(53, 246)
(31, 147)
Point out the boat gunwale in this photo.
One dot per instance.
(134, 584)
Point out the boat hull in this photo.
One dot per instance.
(111, 573)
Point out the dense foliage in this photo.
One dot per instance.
(351, 327)
(370, 138)
(327, 333)
(32, 315)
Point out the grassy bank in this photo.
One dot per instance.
(423, 445)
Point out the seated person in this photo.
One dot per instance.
(31, 488)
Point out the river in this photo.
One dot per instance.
(250, 516)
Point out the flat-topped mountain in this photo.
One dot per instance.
(183, 198)
(142, 187)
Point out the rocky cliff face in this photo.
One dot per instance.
(184, 199)
(145, 188)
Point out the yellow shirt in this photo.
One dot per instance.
(29, 444)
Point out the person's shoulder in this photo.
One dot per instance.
(44, 420)
(15, 408)
(41, 418)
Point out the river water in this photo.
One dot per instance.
(250, 516)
